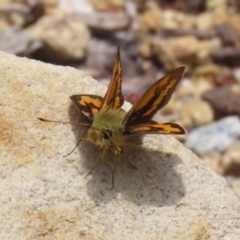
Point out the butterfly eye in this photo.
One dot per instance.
(107, 133)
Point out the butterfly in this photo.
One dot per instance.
(109, 126)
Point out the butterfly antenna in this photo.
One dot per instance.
(75, 123)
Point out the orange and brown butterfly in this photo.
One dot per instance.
(110, 126)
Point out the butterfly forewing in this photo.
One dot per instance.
(88, 105)
(113, 98)
(156, 97)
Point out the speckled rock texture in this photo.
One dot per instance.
(44, 195)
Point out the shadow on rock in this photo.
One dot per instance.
(154, 182)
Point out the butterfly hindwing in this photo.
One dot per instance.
(153, 127)
(88, 105)
(156, 97)
(113, 98)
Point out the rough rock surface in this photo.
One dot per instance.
(172, 195)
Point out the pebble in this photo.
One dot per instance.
(151, 20)
(236, 73)
(230, 105)
(196, 113)
(107, 5)
(215, 137)
(183, 50)
(64, 38)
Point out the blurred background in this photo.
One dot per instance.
(155, 36)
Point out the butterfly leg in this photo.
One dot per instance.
(74, 147)
(117, 153)
(133, 166)
(130, 145)
(97, 162)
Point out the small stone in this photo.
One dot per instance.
(172, 107)
(107, 5)
(175, 20)
(183, 50)
(214, 5)
(231, 95)
(106, 22)
(215, 137)
(196, 113)
(145, 50)
(64, 38)
(196, 87)
(214, 75)
(227, 33)
(204, 21)
(236, 73)
(228, 55)
(152, 19)
(14, 15)
(16, 42)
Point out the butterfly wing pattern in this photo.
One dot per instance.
(113, 98)
(88, 105)
(138, 119)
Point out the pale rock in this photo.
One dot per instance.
(208, 70)
(106, 22)
(14, 41)
(216, 42)
(214, 137)
(4, 25)
(214, 5)
(64, 38)
(151, 19)
(106, 5)
(195, 88)
(145, 49)
(204, 21)
(183, 50)
(13, 15)
(4, 2)
(173, 106)
(196, 113)
(236, 73)
(76, 6)
(172, 195)
(175, 20)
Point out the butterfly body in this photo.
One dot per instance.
(109, 126)
(106, 130)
